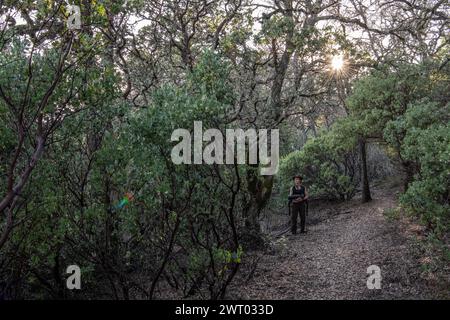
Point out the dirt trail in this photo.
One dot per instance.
(331, 260)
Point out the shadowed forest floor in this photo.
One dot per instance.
(331, 260)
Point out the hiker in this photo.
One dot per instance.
(300, 195)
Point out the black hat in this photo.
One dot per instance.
(297, 176)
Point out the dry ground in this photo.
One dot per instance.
(331, 260)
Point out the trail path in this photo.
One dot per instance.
(331, 260)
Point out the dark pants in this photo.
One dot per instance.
(298, 208)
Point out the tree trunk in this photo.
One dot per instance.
(260, 189)
(366, 197)
(410, 169)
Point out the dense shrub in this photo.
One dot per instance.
(427, 143)
(408, 108)
(329, 164)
